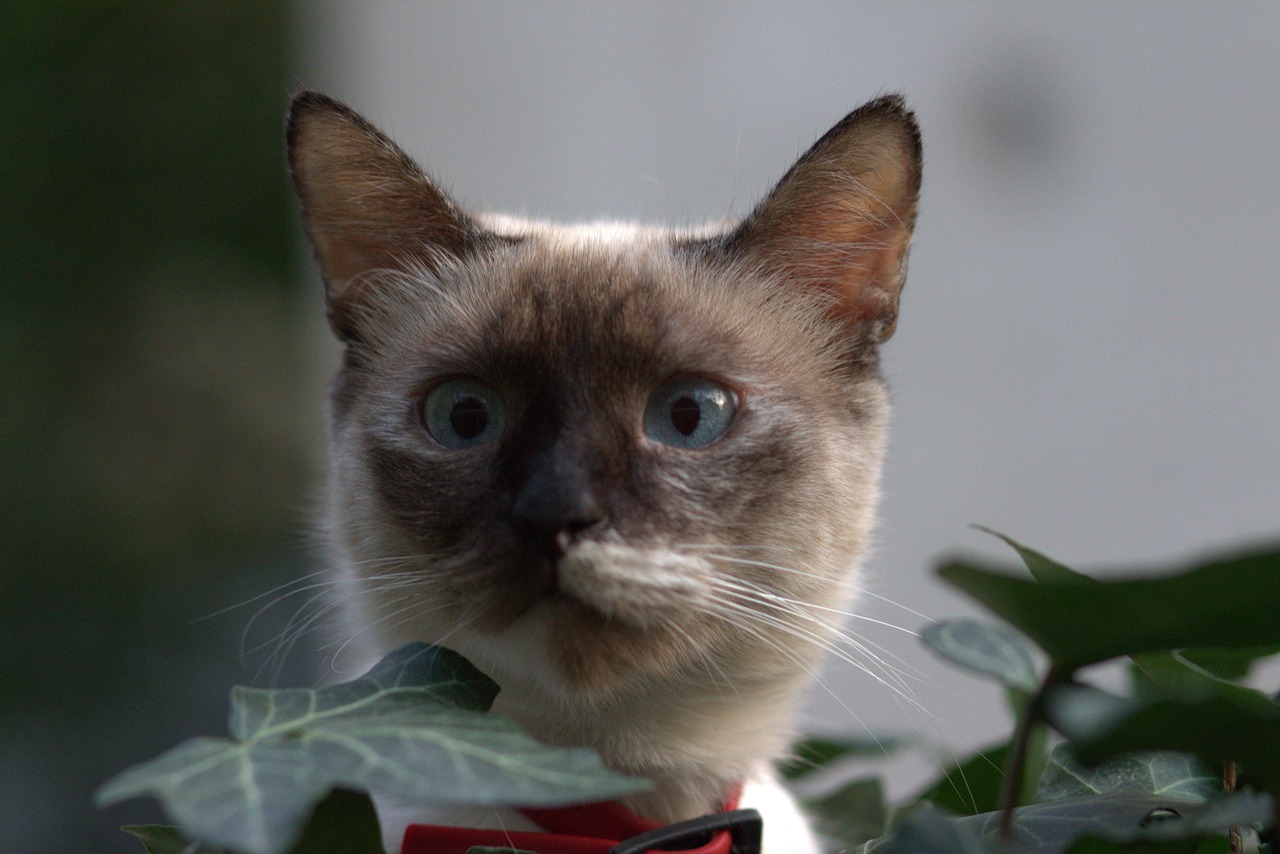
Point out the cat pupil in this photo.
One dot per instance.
(468, 417)
(685, 415)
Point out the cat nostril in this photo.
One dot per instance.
(552, 535)
(550, 520)
(555, 504)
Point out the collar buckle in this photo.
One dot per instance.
(745, 828)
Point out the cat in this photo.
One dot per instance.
(629, 472)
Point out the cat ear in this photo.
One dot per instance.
(366, 205)
(841, 218)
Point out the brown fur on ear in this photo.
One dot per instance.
(366, 205)
(841, 218)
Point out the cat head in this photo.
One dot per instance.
(591, 457)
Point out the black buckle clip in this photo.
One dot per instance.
(745, 827)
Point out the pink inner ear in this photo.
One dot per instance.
(367, 206)
(868, 276)
(841, 220)
(347, 258)
(858, 257)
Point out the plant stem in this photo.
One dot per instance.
(1234, 839)
(1017, 765)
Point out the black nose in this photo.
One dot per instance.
(554, 505)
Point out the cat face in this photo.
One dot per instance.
(599, 456)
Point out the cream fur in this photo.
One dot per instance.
(675, 629)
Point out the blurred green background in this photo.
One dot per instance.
(159, 416)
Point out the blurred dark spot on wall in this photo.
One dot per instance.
(1019, 116)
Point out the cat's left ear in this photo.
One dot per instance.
(841, 219)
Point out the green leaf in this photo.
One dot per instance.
(1156, 675)
(1217, 729)
(985, 648)
(1094, 845)
(413, 727)
(970, 787)
(343, 822)
(1042, 568)
(1228, 663)
(1052, 828)
(1196, 826)
(928, 830)
(1230, 602)
(851, 813)
(818, 752)
(161, 839)
(1173, 775)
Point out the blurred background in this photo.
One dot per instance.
(1087, 357)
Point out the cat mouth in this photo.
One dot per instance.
(639, 588)
(603, 615)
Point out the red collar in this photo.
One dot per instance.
(602, 828)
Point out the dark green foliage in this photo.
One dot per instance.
(1230, 602)
(1137, 772)
(973, 786)
(344, 821)
(1216, 729)
(1162, 774)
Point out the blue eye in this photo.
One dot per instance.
(689, 412)
(463, 414)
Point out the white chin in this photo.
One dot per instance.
(516, 657)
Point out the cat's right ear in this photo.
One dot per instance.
(366, 205)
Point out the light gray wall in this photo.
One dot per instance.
(1088, 352)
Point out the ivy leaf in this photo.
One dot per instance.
(929, 830)
(1153, 823)
(1215, 719)
(415, 727)
(1228, 663)
(986, 648)
(1052, 828)
(1195, 826)
(1094, 845)
(1163, 774)
(162, 839)
(1229, 602)
(1042, 568)
(1163, 674)
(817, 752)
(1218, 729)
